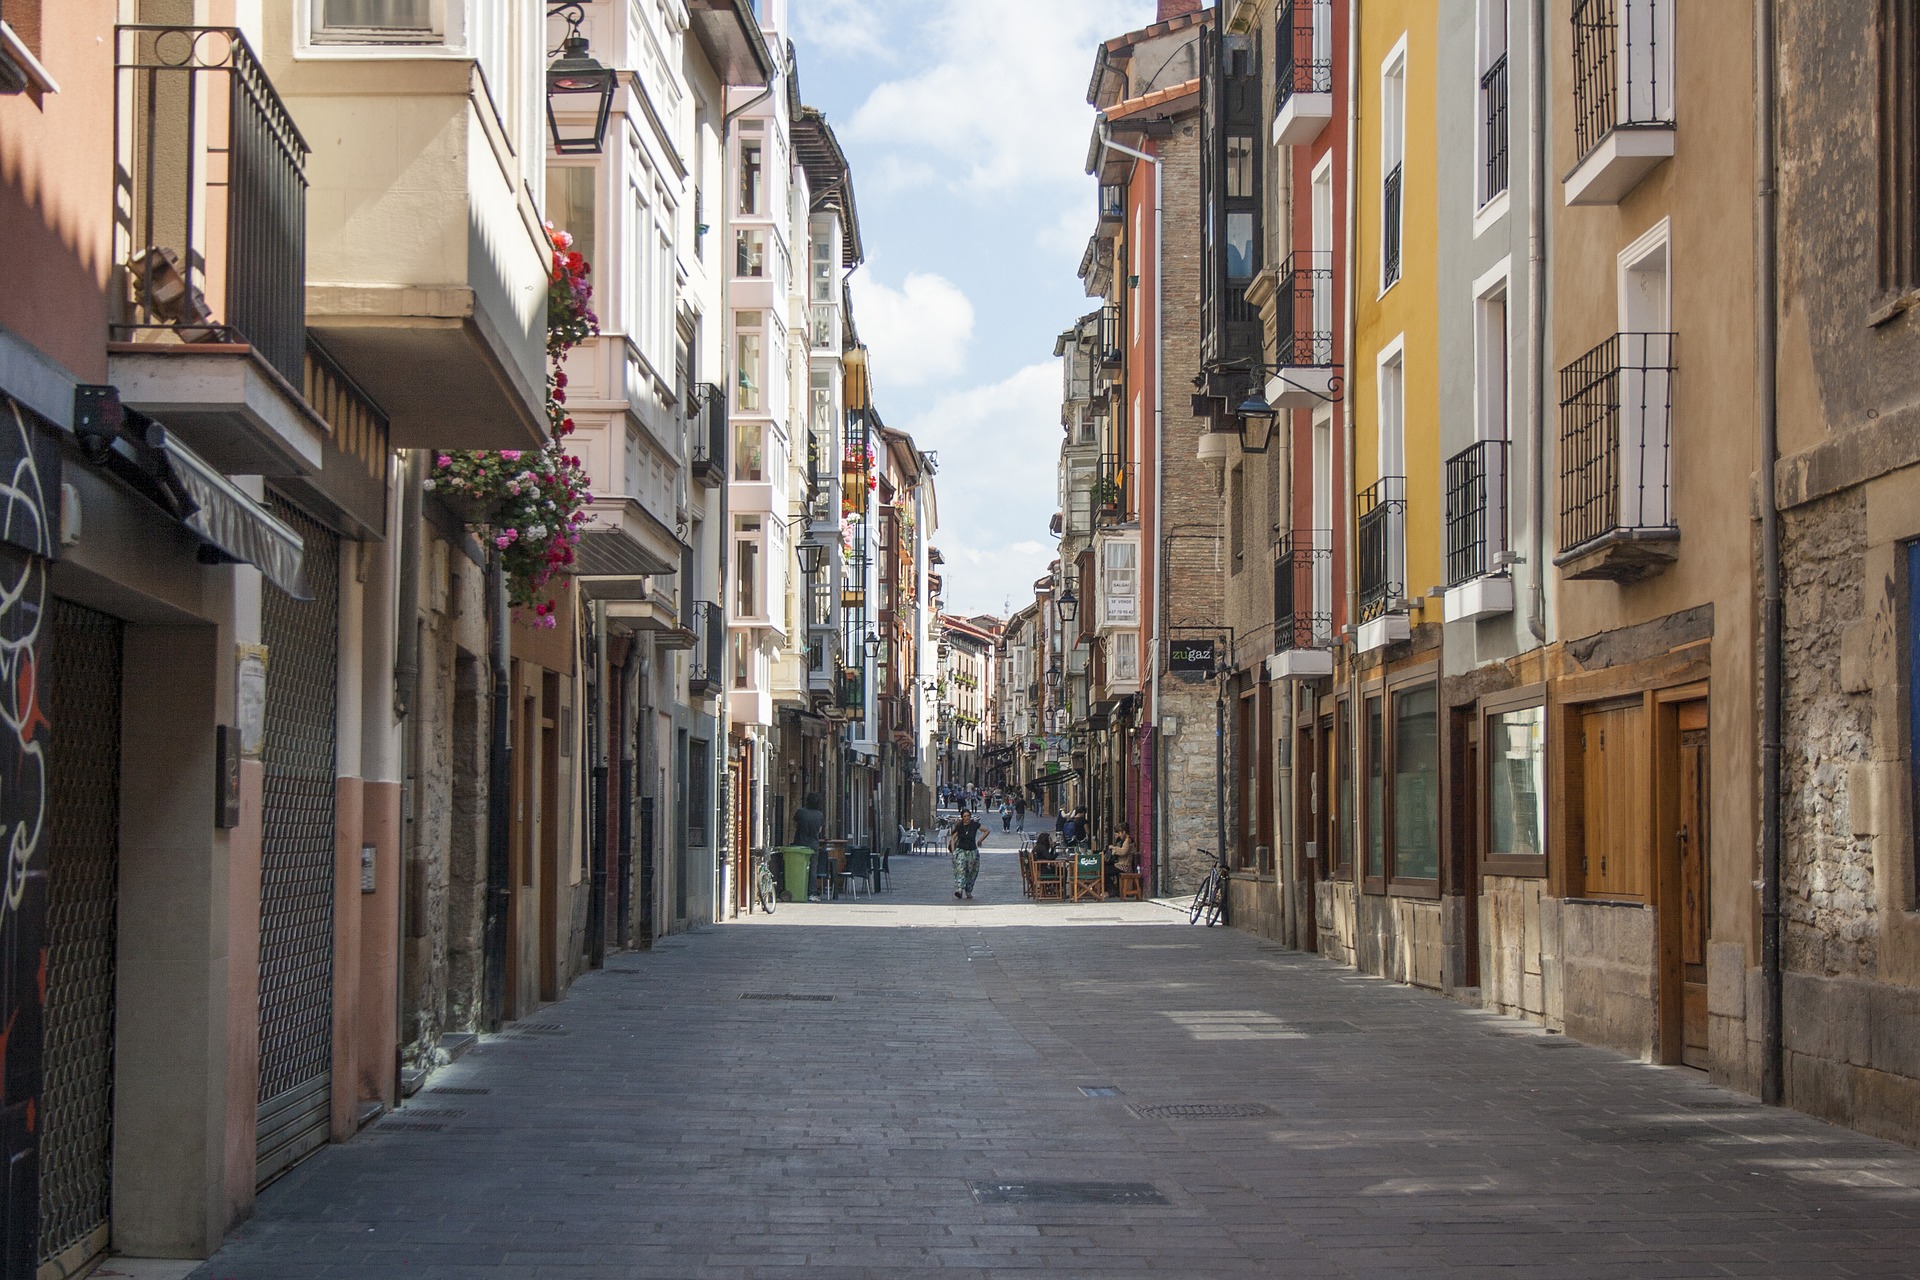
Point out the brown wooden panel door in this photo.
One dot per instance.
(1695, 849)
(1616, 783)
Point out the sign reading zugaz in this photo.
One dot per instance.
(1191, 656)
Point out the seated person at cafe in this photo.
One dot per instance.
(1122, 855)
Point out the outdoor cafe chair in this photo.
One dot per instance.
(857, 874)
(1089, 875)
(1049, 879)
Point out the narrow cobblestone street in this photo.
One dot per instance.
(852, 1089)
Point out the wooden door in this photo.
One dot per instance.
(1615, 857)
(1695, 847)
(1461, 871)
(547, 810)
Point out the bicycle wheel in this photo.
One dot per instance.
(763, 888)
(1200, 900)
(1214, 906)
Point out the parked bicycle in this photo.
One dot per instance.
(1210, 899)
(765, 891)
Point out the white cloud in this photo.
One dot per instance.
(999, 446)
(843, 27)
(918, 333)
(1004, 101)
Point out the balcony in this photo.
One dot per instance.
(1622, 96)
(1382, 547)
(707, 407)
(1113, 208)
(1107, 349)
(212, 197)
(1302, 606)
(1308, 374)
(706, 661)
(1303, 92)
(427, 265)
(1114, 501)
(823, 326)
(1477, 548)
(1616, 437)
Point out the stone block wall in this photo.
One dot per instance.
(1611, 984)
(1191, 781)
(1520, 963)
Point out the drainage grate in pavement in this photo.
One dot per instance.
(1721, 1106)
(1554, 1044)
(1634, 1134)
(434, 1113)
(1123, 1193)
(1204, 1111)
(407, 1126)
(782, 995)
(1100, 1090)
(463, 1090)
(541, 1028)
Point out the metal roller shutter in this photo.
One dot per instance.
(297, 857)
(83, 782)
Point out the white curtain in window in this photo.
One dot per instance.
(394, 15)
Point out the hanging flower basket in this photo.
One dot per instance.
(529, 504)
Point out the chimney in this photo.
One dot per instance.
(1175, 8)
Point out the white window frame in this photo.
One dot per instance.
(1491, 40)
(448, 31)
(1390, 408)
(1493, 287)
(1393, 150)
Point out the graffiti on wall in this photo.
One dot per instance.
(29, 489)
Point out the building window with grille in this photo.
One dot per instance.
(1393, 145)
(1899, 150)
(379, 21)
(699, 790)
(1494, 131)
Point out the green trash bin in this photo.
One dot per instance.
(799, 869)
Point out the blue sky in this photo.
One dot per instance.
(967, 125)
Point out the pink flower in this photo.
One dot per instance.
(446, 459)
(511, 455)
(502, 542)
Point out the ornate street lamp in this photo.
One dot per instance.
(812, 555)
(576, 76)
(1053, 676)
(1068, 604)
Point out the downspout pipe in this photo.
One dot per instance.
(1766, 211)
(1537, 316)
(406, 640)
(1152, 554)
(1351, 255)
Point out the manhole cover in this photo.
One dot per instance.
(1100, 1090)
(1066, 1193)
(464, 1090)
(782, 995)
(1204, 1111)
(1622, 1135)
(407, 1126)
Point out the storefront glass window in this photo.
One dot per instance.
(1517, 783)
(1376, 792)
(1416, 784)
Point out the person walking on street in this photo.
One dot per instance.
(809, 826)
(964, 845)
(1020, 811)
(1006, 816)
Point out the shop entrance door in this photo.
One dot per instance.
(1694, 848)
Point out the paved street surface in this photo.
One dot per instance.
(900, 1087)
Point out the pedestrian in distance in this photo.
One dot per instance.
(809, 826)
(1006, 816)
(1020, 811)
(964, 844)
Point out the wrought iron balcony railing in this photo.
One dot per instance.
(1306, 322)
(213, 196)
(1616, 434)
(1390, 227)
(1494, 127)
(1476, 510)
(1113, 496)
(1618, 60)
(1302, 40)
(1383, 547)
(707, 421)
(707, 659)
(1302, 590)
(1107, 342)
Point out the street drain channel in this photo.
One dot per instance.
(1120, 1193)
(465, 1090)
(1100, 1090)
(1204, 1111)
(433, 1113)
(407, 1126)
(783, 995)
(541, 1028)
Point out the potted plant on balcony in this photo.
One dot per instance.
(1108, 493)
(531, 503)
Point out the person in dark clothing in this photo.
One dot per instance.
(1020, 811)
(964, 845)
(809, 826)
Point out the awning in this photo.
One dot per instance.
(232, 527)
(1053, 779)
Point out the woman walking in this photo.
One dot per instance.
(964, 845)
